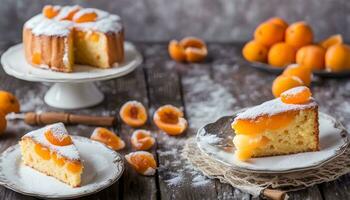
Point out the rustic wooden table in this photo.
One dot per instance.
(205, 91)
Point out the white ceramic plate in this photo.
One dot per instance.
(14, 63)
(102, 167)
(215, 140)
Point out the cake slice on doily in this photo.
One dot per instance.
(51, 150)
(285, 125)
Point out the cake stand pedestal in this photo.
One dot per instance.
(70, 90)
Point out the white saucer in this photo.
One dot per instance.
(102, 167)
(215, 140)
(71, 90)
(15, 64)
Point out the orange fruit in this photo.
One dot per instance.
(3, 122)
(190, 49)
(299, 34)
(269, 34)
(312, 56)
(331, 40)
(108, 138)
(278, 21)
(176, 51)
(337, 58)
(8, 102)
(300, 71)
(255, 52)
(142, 139)
(281, 54)
(297, 95)
(143, 162)
(170, 119)
(283, 83)
(133, 113)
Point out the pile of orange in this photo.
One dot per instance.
(279, 44)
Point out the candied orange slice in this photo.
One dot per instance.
(74, 167)
(262, 123)
(68, 13)
(58, 160)
(143, 162)
(36, 58)
(50, 11)
(85, 17)
(297, 95)
(58, 138)
(42, 151)
(332, 40)
(133, 113)
(142, 139)
(108, 138)
(170, 119)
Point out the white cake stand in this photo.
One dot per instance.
(71, 90)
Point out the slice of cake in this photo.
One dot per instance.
(51, 150)
(285, 125)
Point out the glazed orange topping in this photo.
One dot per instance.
(133, 113)
(50, 11)
(69, 16)
(170, 119)
(58, 160)
(74, 167)
(141, 161)
(298, 95)
(142, 140)
(262, 123)
(189, 49)
(43, 152)
(61, 140)
(108, 137)
(36, 58)
(86, 17)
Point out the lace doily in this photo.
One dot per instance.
(255, 183)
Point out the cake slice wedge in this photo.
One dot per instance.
(278, 128)
(51, 151)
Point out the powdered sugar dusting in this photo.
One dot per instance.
(212, 100)
(68, 151)
(294, 91)
(273, 107)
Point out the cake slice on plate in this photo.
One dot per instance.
(51, 150)
(285, 125)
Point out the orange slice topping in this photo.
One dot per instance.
(50, 11)
(42, 151)
(58, 160)
(143, 162)
(85, 17)
(133, 113)
(142, 140)
(256, 126)
(170, 119)
(68, 13)
(58, 138)
(108, 138)
(297, 95)
(74, 167)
